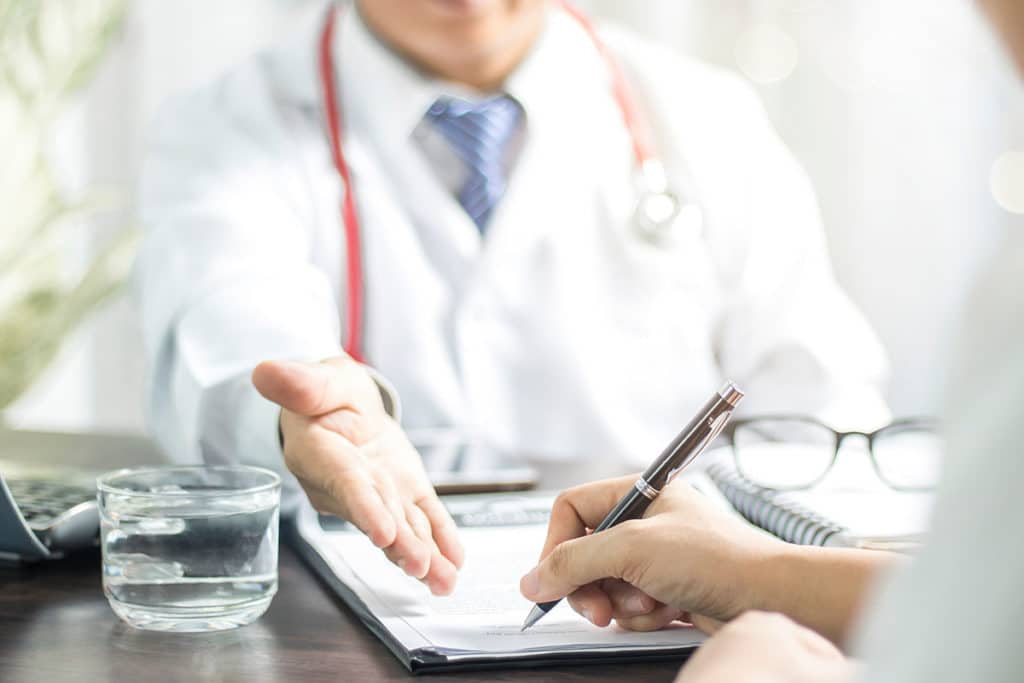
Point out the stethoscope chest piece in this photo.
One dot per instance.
(660, 217)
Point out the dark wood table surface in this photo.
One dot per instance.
(56, 626)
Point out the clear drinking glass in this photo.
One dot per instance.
(189, 548)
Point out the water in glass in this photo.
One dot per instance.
(190, 549)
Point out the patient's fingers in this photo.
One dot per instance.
(627, 600)
(706, 624)
(602, 601)
(592, 603)
(583, 507)
(657, 619)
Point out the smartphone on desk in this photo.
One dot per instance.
(456, 465)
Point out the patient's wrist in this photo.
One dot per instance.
(769, 578)
(821, 588)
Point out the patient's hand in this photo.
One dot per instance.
(684, 559)
(768, 648)
(353, 460)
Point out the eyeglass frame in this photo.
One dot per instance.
(925, 422)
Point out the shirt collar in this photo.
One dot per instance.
(380, 90)
(386, 95)
(563, 66)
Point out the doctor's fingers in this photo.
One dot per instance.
(410, 553)
(608, 554)
(415, 550)
(410, 550)
(358, 503)
(583, 507)
(421, 559)
(443, 529)
(419, 522)
(358, 428)
(313, 389)
(334, 477)
(441, 574)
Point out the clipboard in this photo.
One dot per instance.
(504, 514)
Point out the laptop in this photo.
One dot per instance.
(48, 491)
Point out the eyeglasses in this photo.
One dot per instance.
(791, 453)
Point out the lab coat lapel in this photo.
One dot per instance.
(538, 200)
(447, 232)
(383, 112)
(561, 75)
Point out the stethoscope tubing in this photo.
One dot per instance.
(636, 126)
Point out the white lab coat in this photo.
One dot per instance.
(560, 334)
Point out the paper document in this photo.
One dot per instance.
(481, 620)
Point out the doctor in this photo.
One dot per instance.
(552, 239)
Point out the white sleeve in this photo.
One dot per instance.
(224, 279)
(789, 334)
(957, 613)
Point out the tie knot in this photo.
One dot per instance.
(479, 133)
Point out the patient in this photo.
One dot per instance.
(781, 612)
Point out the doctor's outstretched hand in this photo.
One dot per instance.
(353, 460)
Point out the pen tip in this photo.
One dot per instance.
(532, 618)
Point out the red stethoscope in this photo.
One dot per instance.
(657, 204)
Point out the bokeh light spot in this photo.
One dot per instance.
(766, 54)
(1007, 181)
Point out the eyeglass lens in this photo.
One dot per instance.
(783, 453)
(793, 453)
(908, 455)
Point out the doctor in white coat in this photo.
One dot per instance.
(440, 198)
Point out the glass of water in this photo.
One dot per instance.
(189, 548)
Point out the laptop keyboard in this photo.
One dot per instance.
(41, 501)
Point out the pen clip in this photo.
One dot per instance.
(717, 425)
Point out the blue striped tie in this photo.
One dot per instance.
(479, 133)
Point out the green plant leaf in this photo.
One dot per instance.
(50, 49)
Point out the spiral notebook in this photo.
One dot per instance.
(837, 515)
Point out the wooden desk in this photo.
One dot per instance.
(56, 626)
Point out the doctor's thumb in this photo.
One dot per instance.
(306, 388)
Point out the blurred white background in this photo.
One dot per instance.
(904, 113)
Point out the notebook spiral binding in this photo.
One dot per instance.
(769, 510)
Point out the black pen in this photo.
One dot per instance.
(690, 442)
